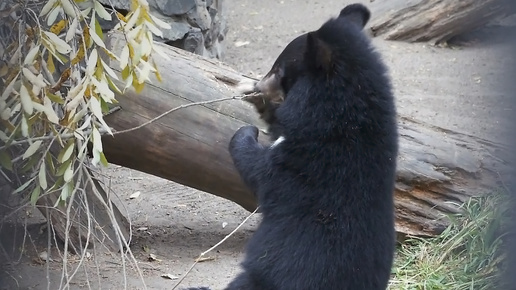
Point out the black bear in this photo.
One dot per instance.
(326, 190)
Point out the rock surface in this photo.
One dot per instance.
(198, 26)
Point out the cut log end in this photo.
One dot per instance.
(437, 21)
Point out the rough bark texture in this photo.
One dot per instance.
(438, 169)
(435, 21)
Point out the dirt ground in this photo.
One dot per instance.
(457, 88)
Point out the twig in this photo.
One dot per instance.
(177, 108)
(215, 246)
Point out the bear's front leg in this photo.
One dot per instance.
(248, 156)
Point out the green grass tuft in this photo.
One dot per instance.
(467, 255)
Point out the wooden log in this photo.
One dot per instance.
(435, 21)
(438, 169)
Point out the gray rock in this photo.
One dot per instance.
(173, 7)
(199, 16)
(118, 4)
(178, 30)
(194, 42)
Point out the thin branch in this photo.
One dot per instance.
(215, 246)
(177, 108)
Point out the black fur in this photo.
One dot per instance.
(286, 68)
(326, 191)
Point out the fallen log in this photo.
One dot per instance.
(434, 21)
(438, 169)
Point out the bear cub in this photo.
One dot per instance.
(326, 190)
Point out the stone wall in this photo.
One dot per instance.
(198, 26)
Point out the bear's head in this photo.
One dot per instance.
(308, 49)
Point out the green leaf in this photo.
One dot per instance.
(104, 106)
(5, 160)
(62, 168)
(103, 159)
(68, 174)
(55, 98)
(126, 72)
(29, 166)
(42, 176)
(98, 29)
(35, 195)
(50, 163)
(66, 191)
(24, 186)
(113, 86)
(32, 149)
(66, 152)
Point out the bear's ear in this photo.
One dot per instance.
(356, 13)
(318, 53)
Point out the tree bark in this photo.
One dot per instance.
(435, 21)
(437, 171)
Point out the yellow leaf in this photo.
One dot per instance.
(138, 87)
(50, 63)
(79, 56)
(156, 72)
(58, 27)
(111, 55)
(4, 70)
(121, 17)
(86, 36)
(126, 72)
(98, 29)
